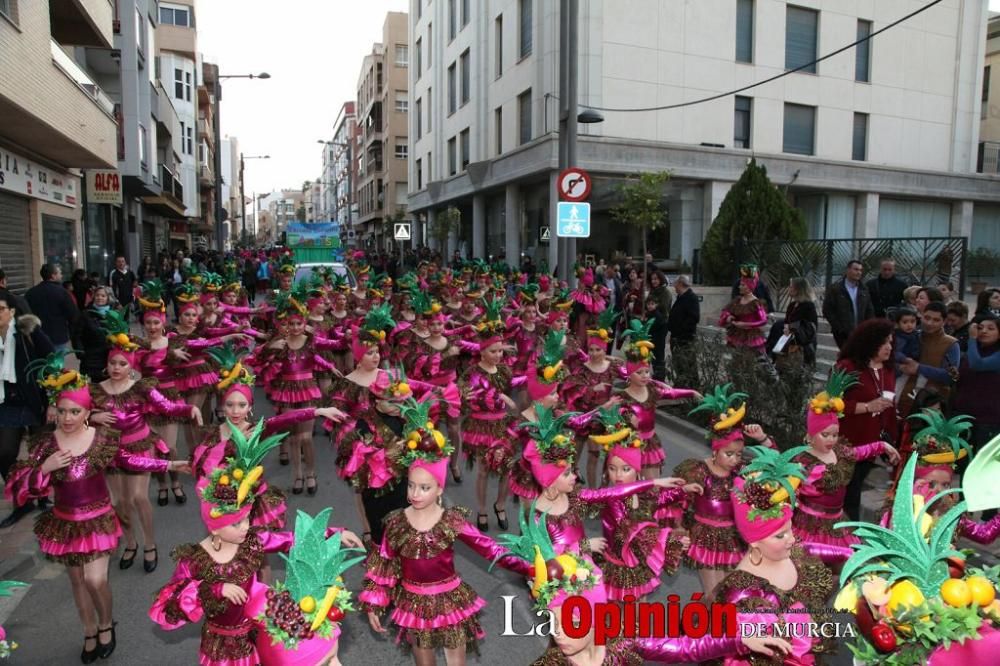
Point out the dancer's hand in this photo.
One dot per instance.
(890, 452)
(693, 488)
(670, 482)
(234, 594)
(181, 355)
(180, 466)
(103, 418)
(755, 432)
(57, 460)
(767, 645)
(376, 624)
(349, 538)
(507, 400)
(331, 413)
(196, 415)
(598, 544)
(613, 402)
(697, 397)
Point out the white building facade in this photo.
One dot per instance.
(880, 140)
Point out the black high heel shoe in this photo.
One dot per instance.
(482, 522)
(311, 489)
(179, 496)
(455, 476)
(162, 497)
(126, 561)
(297, 487)
(89, 656)
(150, 565)
(104, 650)
(502, 522)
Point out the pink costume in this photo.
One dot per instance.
(638, 651)
(430, 365)
(289, 375)
(645, 416)
(323, 329)
(131, 410)
(195, 592)
(82, 525)
(198, 374)
(484, 431)
(715, 543)
(752, 313)
(153, 363)
(415, 572)
(525, 344)
(580, 393)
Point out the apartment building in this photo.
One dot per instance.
(340, 171)
(231, 202)
(276, 210)
(56, 119)
(380, 188)
(207, 143)
(880, 140)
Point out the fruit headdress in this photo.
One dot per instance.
(423, 304)
(491, 328)
(151, 296)
(639, 347)
(117, 334)
(616, 437)
(907, 585)
(286, 264)
(942, 441)
(376, 325)
(764, 493)
(556, 577)
(725, 417)
(827, 406)
(6, 590)
(339, 282)
(551, 450)
(426, 446)
(749, 276)
(312, 600)
(227, 494)
(187, 295)
(51, 374)
(547, 369)
(211, 282)
(292, 302)
(233, 375)
(231, 279)
(605, 331)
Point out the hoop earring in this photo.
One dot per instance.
(760, 556)
(216, 543)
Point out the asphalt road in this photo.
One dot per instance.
(44, 622)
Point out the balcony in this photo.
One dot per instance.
(82, 22)
(170, 202)
(989, 158)
(206, 176)
(206, 131)
(81, 78)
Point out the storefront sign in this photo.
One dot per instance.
(22, 176)
(104, 187)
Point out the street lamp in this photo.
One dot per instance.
(243, 197)
(217, 162)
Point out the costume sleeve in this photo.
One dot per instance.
(326, 344)
(869, 451)
(195, 344)
(222, 328)
(161, 404)
(684, 649)
(139, 462)
(978, 362)
(26, 481)
(601, 495)
(286, 420)
(381, 576)
(983, 533)
(668, 392)
(760, 317)
(276, 542)
(490, 550)
(185, 599)
(724, 316)
(829, 554)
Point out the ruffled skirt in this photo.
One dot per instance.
(652, 551)
(294, 393)
(227, 646)
(487, 442)
(269, 510)
(77, 542)
(652, 452)
(198, 377)
(809, 528)
(439, 620)
(714, 547)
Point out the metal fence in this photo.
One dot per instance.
(924, 261)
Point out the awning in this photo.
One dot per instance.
(164, 205)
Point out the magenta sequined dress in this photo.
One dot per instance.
(194, 593)
(153, 363)
(708, 518)
(198, 374)
(645, 416)
(415, 573)
(133, 408)
(484, 430)
(289, 375)
(81, 526)
(579, 395)
(639, 545)
(525, 342)
(638, 651)
(324, 329)
(752, 313)
(430, 365)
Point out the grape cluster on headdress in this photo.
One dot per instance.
(770, 480)
(423, 440)
(228, 487)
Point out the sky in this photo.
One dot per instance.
(312, 49)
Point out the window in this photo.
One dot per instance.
(402, 55)
(187, 86)
(402, 149)
(420, 175)
(451, 20)
(175, 15)
(524, 117)
(800, 39)
(463, 61)
(985, 102)
(744, 30)
(863, 53)
(430, 108)
(178, 83)
(498, 45)
(7, 8)
(859, 145)
(799, 129)
(463, 145)
(430, 174)
(465, 13)
(420, 119)
(430, 48)
(143, 139)
(498, 130)
(420, 9)
(402, 103)
(524, 13)
(419, 44)
(452, 159)
(452, 105)
(140, 31)
(741, 122)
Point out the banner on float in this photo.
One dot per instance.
(313, 234)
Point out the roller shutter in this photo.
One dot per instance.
(15, 252)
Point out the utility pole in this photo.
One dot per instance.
(562, 251)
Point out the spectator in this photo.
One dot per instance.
(250, 278)
(910, 296)
(682, 325)
(988, 302)
(869, 414)
(956, 324)
(20, 304)
(939, 359)
(615, 290)
(979, 381)
(90, 338)
(53, 305)
(925, 296)
(947, 290)
(905, 344)
(22, 401)
(659, 292)
(847, 303)
(801, 322)
(82, 288)
(122, 281)
(886, 289)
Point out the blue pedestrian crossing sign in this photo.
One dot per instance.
(573, 220)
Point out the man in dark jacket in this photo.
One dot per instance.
(682, 325)
(122, 282)
(847, 303)
(886, 290)
(51, 303)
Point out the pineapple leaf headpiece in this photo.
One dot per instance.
(749, 270)
(549, 364)
(423, 440)
(379, 319)
(943, 440)
(491, 323)
(339, 281)
(422, 303)
(527, 293)
(211, 281)
(616, 428)
(151, 297)
(186, 292)
(230, 486)
(605, 324)
(777, 473)
(51, 374)
(831, 398)
(286, 264)
(639, 345)
(231, 369)
(720, 404)
(286, 304)
(8, 586)
(554, 445)
(117, 331)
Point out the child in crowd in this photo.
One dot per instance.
(906, 342)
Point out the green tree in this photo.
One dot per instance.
(446, 222)
(641, 205)
(753, 210)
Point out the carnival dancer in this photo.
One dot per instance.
(81, 530)
(745, 316)
(589, 386)
(640, 546)
(557, 320)
(821, 496)
(340, 324)
(716, 546)
(643, 394)
(358, 298)
(320, 325)
(405, 334)
(288, 364)
(414, 569)
(558, 576)
(123, 403)
(151, 361)
(299, 620)
(523, 332)
(775, 582)
(589, 300)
